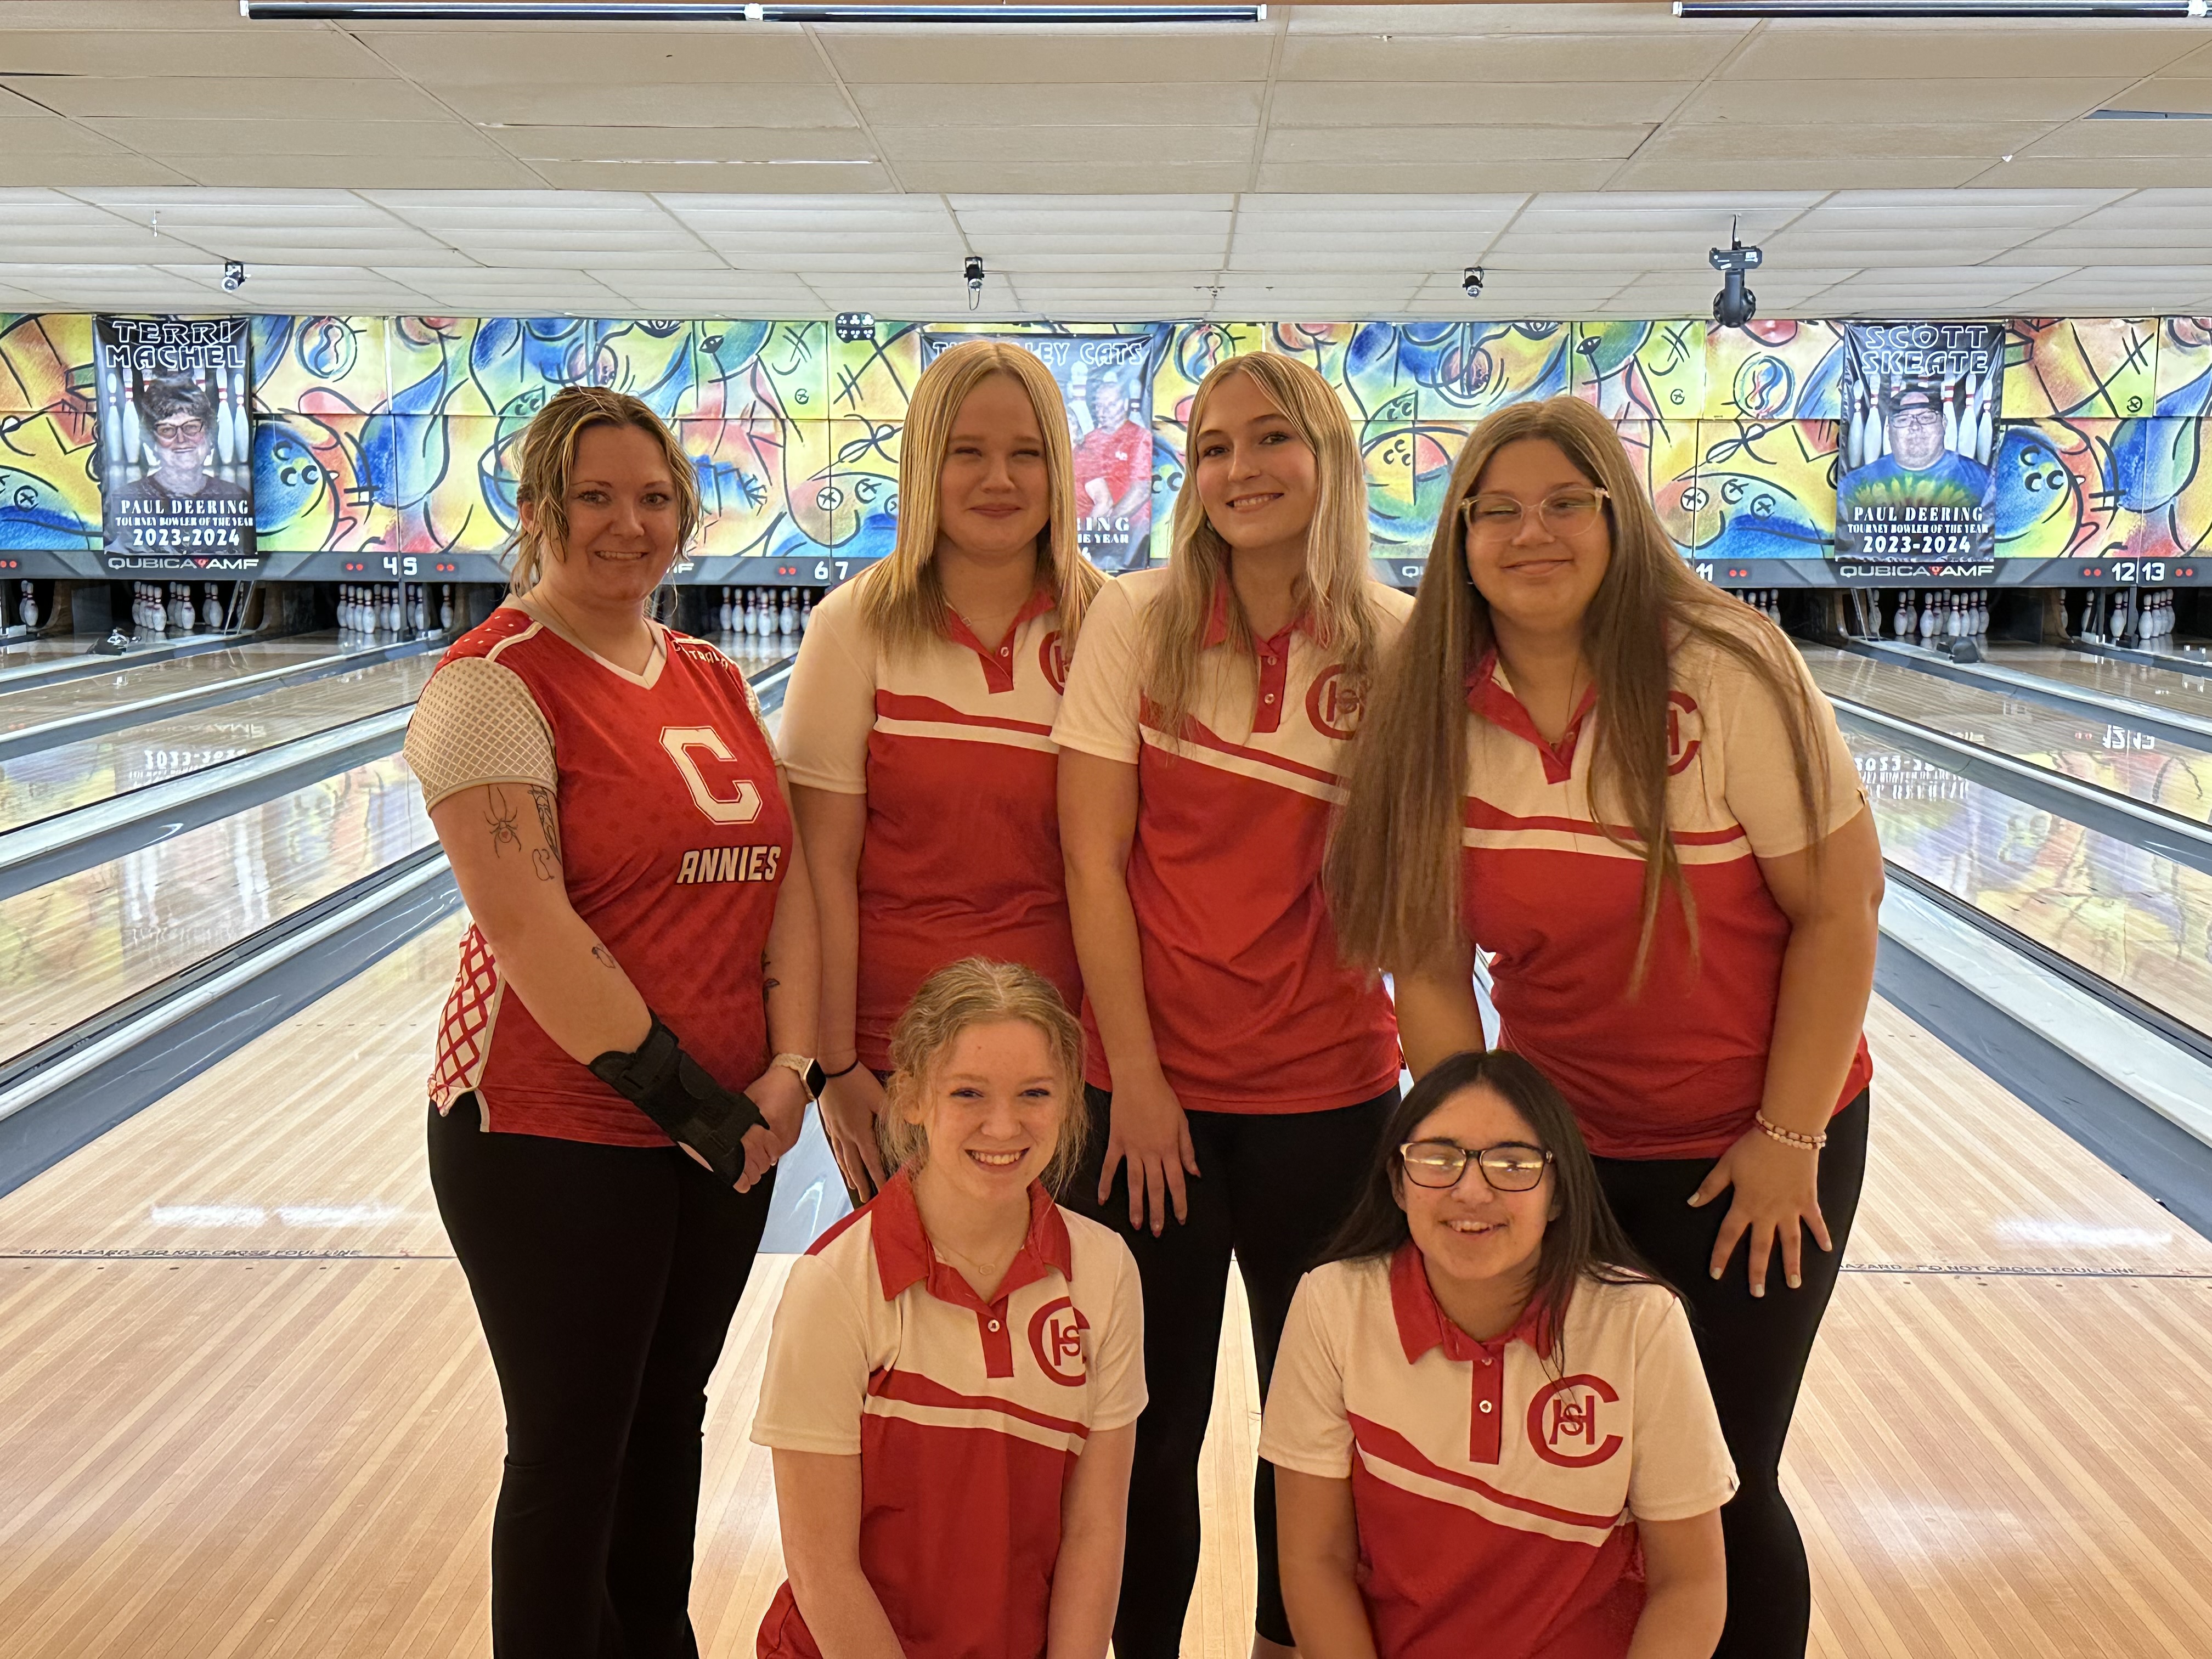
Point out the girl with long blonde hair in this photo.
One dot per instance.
(917, 728)
(1238, 1072)
(1623, 785)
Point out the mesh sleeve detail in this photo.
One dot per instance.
(477, 723)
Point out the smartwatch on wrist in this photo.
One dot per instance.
(808, 1071)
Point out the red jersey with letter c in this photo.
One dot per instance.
(674, 842)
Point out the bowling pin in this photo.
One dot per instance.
(445, 607)
(30, 607)
(1950, 418)
(805, 610)
(1927, 616)
(210, 608)
(787, 618)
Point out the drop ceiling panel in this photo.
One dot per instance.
(232, 137)
(2189, 94)
(1121, 147)
(1075, 179)
(1454, 145)
(213, 53)
(1756, 144)
(2013, 49)
(1030, 56)
(354, 172)
(723, 144)
(1443, 175)
(258, 98)
(792, 178)
(739, 54)
(1483, 59)
(1917, 102)
(1168, 104)
(650, 104)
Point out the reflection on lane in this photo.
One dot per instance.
(2110, 756)
(77, 945)
(59, 779)
(2141, 922)
(36, 705)
(2158, 687)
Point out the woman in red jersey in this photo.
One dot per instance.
(955, 1367)
(639, 985)
(1624, 785)
(1240, 1072)
(918, 726)
(1490, 1427)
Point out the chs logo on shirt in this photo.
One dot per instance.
(1332, 704)
(708, 863)
(1568, 1424)
(1056, 1339)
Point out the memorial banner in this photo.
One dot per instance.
(1920, 410)
(176, 442)
(1106, 381)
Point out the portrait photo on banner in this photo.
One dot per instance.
(176, 441)
(1920, 413)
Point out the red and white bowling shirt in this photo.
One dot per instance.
(951, 743)
(1497, 1489)
(967, 1416)
(674, 834)
(1678, 1071)
(1252, 1007)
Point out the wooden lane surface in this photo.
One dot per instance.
(2107, 753)
(2004, 1447)
(130, 683)
(73, 775)
(2111, 676)
(83, 943)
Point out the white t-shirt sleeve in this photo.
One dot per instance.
(1098, 710)
(1306, 1428)
(815, 1380)
(1682, 1466)
(1120, 1358)
(1759, 777)
(475, 722)
(830, 707)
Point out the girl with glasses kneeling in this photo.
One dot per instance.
(1489, 1429)
(955, 1368)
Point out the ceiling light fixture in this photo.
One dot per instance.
(719, 11)
(1909, 10)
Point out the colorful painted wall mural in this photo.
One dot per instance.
(396, 435)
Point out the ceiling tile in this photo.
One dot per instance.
(1441, 175)
(1861, 105)
(650, 104)
(726, 143)
(791, 177)
(1682, 57)
(217, 136)
(1455, 104)
(2018, 49)
(1035, 56)
(289, 53)
(1453, 146)
(246, 98)
(1118, 104)
(751, 53)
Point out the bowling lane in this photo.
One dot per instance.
(76, 946)
(2141, 922)
(2110, 755)
(59, 779)
(36, 705)
(2158, 687)
(28, 652)
(244, 1373)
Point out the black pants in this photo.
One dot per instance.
(1754, 1350)
(605, 1278)
(1271, 1188)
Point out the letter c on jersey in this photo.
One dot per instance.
(1056, 1339)
(1567, 1411)
(743, 807)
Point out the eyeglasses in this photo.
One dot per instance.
(1500, 518)
(1929, 419)
(1511, 1166)
(180, 432)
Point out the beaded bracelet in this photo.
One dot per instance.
(1774, 1131)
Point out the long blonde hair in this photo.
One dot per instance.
(976, 991)
(1338, 585)
(1393, 866)
(903, 597)
(548, 458)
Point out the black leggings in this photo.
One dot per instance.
(1271, 1188)
(1754, 1350)
(605, 1278)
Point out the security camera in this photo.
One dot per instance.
(972, 271)
(233, 276)
(1472, 281)
(1735, 305)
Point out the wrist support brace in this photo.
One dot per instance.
(690, 1108)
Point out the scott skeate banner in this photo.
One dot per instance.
(176, 442)
(1106, 381)
(1920, 415)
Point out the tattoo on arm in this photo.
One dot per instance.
(546, 859)
(768, 985)
(604, 956)
(499, 814)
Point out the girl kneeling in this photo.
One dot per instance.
(955, 1368)
(1489, 1428)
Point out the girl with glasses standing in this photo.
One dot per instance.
(1488, 1422)
(1239, 1073)
(1624, 785)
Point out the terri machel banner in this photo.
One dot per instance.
(176, 442)
(1106, 381)
(1920, 414)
